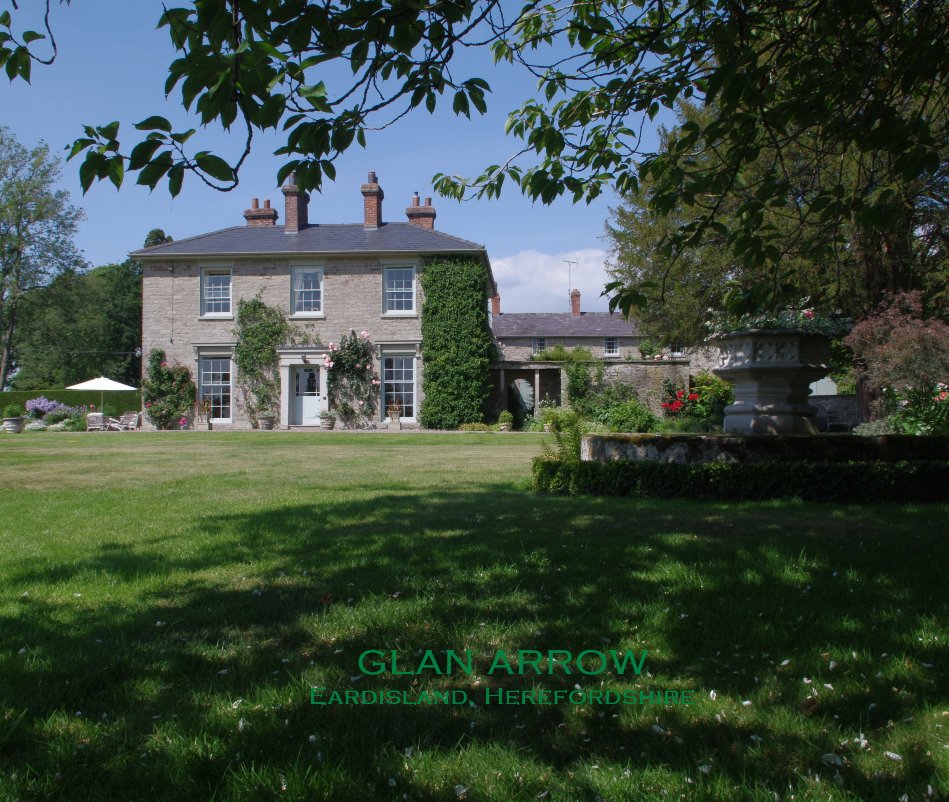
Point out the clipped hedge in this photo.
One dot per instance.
(120, 401)
(737, 481)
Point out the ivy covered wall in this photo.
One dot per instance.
(456, 343)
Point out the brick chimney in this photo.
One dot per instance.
(495, 305)
(372, 196)
(422, 216)
(255, 216)
(575, 303)
(296, 213)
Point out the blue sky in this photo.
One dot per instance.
(112, 65)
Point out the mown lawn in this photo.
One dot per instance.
(167, 601)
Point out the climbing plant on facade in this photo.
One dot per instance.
(456, 343)
(352, 383)
(260, 330)
(169, 392)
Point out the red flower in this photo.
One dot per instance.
(680, 394)
(693, 396)
(676, 406)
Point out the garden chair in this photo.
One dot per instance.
(127, 422)
(95, 422)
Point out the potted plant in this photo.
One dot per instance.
(506, 421)
(394, 411)
(204, 405)
(327, 420)
(13, 418)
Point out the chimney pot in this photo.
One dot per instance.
(422, 216)
(575, 303)
(416, 200)
(255, 216)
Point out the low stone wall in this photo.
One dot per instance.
(835, 413)
(761, 448)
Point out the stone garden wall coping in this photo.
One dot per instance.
(757, 448)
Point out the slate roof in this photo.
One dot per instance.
(332, 238)
(551, 324)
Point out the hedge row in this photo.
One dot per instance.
(736, 481)
(120, 401)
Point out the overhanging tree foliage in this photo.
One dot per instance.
(857, 79)
(456, 342)
(837, 265)
(37, 225)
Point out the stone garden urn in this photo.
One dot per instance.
(772, 370)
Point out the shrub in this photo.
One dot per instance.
(630, 416)
(903, 357)
(13, 411)
(169, 392)
(506, 417)
(714, 395)
(456, 343)
(747, 481)
(64, 413)
(578, 383)
(41, 406)
(532, 424)
(878, 428)
(476, 427)
(648, 349)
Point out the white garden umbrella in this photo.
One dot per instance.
(103, 385)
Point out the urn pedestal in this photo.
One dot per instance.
(772, 370)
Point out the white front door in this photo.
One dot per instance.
(306, 396)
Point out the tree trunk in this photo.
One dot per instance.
(6, 357)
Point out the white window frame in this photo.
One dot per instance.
(676, 349)
(398, 352)
(614, 351)
(204, 314)
(309, 268)
(386, 312)
(538, 344)
(207, 356)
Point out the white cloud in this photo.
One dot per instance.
(531, 281)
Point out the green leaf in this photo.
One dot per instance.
(154, 122)
(175, 176)
(215, 167)
(460, 104)
(32, 36)
(116, 171)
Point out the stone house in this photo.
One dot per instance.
(328, 278)
(522, 337)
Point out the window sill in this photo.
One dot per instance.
(216, 317)
(386, 315)
(308, 316)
